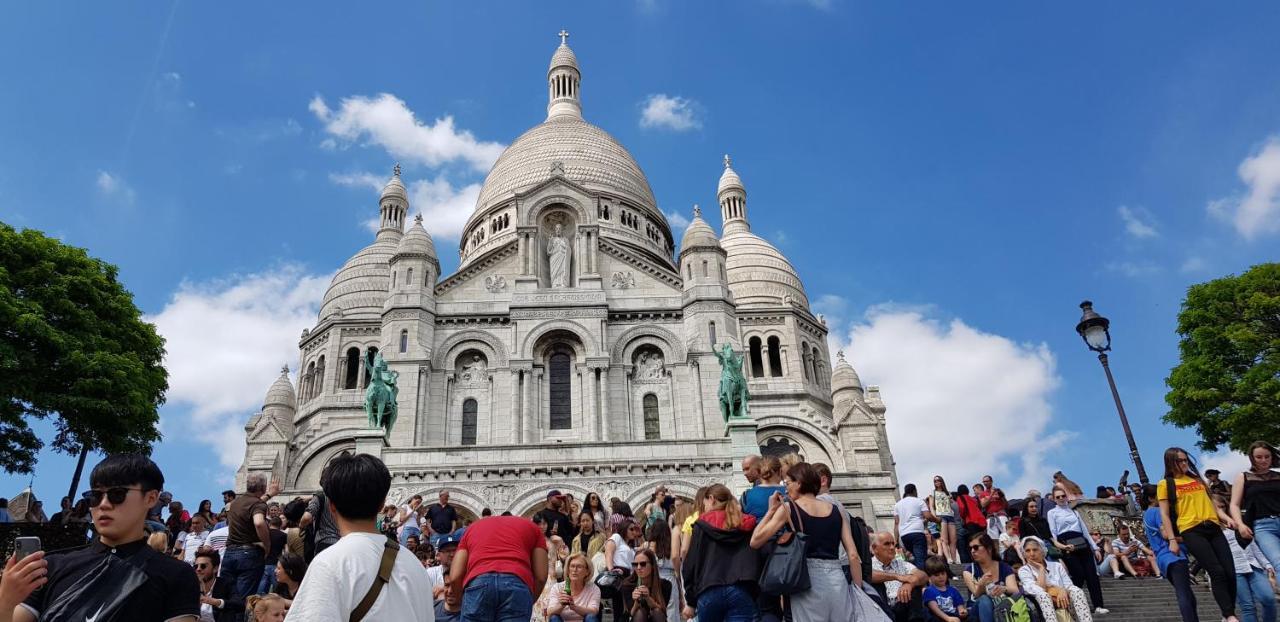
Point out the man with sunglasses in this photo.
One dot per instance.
(217, 602)
(122, 488)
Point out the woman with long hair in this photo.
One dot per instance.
(1034, 523)
(1194, 522)
(655, 511)
(577, 599)
(206, 510)
(594, 506)
(290, 569)
(1047, 581)
(940, 503)
(826, 529)
(686, 527)
(1074, 491)
(619, 553)
(645, 593)
(658, 541)
(987, 578)
(721, 569)
(1255, 501)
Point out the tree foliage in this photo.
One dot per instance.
(73, 346)
(1227, 384)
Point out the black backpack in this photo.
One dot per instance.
(862, 542)
(309, 534)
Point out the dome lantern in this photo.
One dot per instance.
(393, 204)
(733, 199)
(563, 82)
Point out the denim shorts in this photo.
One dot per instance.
(948, 519)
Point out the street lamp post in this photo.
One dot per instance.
(1094, 329)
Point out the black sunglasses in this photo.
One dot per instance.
(115, 495)
(640, 564)
(975, 547)
(203, 566)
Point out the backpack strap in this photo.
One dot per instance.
(389, 552)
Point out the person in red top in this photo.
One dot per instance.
(500, 565)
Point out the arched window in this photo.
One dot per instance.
(353, 369)
(806, 360)
(469, 408)
(711, 332)
(393, 277)
(371, 355)
(757, 363)
(560, 392)
(308, 379)
(408, 277)
(404, 341)
(704, 269)
(651, 428)
(319, 381)
(775, 357)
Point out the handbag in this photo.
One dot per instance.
(1078, 543)
(786, 572)
(608, 582)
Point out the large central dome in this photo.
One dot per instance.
(589, 155)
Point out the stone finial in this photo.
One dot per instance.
(564, 37)
(284, 369)
(840, 354)
(396, 169)
(697, 211)
(417, 219)
(727, 160)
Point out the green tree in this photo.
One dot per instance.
(1227, 384)
(73, 346)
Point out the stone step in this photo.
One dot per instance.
(1147, 599)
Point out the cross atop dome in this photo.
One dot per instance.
(563, 82)
(727, 161)
(417, 219)
(284, 369)
(396, 169)
(564, 37)
(697, 211)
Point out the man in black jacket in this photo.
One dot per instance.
(216, 595)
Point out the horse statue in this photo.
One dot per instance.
(380, 398)
(733, 385)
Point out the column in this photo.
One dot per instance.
(517, 408)
(447, 431)
(698, 397)
(631, 420)
(669, 372)
(587, 377)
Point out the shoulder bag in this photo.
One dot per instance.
(389, 552)
(786, 572)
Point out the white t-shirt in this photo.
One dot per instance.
(341, 575)
(910, 513)
(192, 543)
(217, 539)
(435, 577)
(623, 555)
(411, 518)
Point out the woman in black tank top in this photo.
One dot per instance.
(1255, 501)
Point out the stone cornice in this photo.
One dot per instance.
(477, 267)
(641, 263)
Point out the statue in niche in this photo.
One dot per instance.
(474, 371)
(649, 366)
(558, 256)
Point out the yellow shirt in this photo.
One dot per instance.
(687, 527)
(1194, 504)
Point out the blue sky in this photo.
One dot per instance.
(949, 182)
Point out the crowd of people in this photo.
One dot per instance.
(783, 550)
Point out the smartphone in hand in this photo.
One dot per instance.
(25, 546)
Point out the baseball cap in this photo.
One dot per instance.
(446, 542)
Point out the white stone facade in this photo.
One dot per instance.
(514, 380)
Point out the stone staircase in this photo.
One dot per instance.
(1144, 600)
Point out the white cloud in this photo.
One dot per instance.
(936, 374)
(669, 112)
(677, 220)
(1258, 211)
(445, 208)
(1137, 222)
(387, 121)
(1133, 269)
(225, 341)
(1225, 460)
(113, 186)
(1194, 264)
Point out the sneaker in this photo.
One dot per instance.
(1119, 575)
(1101, 612)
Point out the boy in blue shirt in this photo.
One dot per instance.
(942, 601)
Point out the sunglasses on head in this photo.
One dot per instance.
(116, 495)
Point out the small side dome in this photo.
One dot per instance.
(395, 188)
(416, 241)
(699, 233)
(281, 392)
(729, 178)
(843, 378)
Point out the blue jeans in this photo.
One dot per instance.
(918, 546)
(1251, 587)
(591, 617)
(268, 582)
(497, 597)
(1266, 532)
(410, 530)
(242, 568)
(726, 603)
(985, 607)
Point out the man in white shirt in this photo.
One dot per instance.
(897, 580)
(909, 515)
(345, 574)
(194, 539)
(444, 559)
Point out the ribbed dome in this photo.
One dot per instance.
(281, 392)
(844, 378)
(395, 187)
(360, 287)
(759, 275)
(416, 241)
(699, 233)
(563, 57)
(590, 157)
(729, 178)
